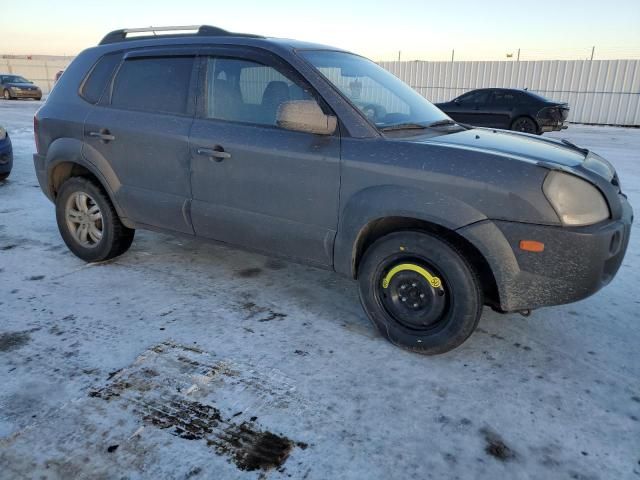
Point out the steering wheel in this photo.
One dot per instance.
(374, 112)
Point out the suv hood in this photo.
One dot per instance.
(517, 145)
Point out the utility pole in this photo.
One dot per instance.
(518, 59)
(593, 49)
(453, 52)
(399, 51)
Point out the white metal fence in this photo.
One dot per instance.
(600, 91)
(39, 69)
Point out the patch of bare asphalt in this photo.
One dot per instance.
(172, 387)
(496, 447)
(265, 314)
(249, 272)
(13, 340)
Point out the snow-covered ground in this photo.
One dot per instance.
(183, 359)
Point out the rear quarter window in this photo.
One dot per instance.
(153, 84)
(99, 76)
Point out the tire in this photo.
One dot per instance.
(4, 176)
(525, 125)
(6, 94)
(76, 205)
(412, 264)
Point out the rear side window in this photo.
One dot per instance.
(504, 98)
(156, 84)
(99, 77)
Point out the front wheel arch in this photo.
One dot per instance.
(381, 227)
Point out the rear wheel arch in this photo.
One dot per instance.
(61, 170)
(381, 227)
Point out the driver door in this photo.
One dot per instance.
(263, 187)
(471, 108)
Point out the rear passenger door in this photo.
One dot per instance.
(141, 128)
(501, 108)
(264, 188)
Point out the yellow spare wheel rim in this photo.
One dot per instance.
(435, 282)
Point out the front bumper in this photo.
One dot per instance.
(575, 263)
(26, 93)
(6, 155)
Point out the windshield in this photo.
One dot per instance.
(383, 98)
(14, 79)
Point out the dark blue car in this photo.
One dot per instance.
(6, 154)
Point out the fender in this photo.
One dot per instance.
(375, 203)
(71, 150)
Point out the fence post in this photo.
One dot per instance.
(46, 70)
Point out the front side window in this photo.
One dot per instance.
(383, 98)
(241, 90)
(153, 84)
(479, 97)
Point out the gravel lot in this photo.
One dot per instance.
(183, 359)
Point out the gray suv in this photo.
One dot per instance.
(318, 155)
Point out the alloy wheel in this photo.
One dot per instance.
(84, 219)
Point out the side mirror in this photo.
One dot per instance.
(456, 101)
(305, 116)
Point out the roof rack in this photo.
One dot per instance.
(177, 31)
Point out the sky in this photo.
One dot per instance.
(425, 30)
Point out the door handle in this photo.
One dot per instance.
(217, 153)
(104, 135)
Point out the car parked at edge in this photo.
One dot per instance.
(319, 155)
(507, 108)
(16, 86)
(6, 154)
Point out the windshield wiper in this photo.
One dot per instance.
(441, 123)
(418, 126)
(404, 126)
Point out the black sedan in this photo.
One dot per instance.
(507, 108)
(15, 86)
(6, 154)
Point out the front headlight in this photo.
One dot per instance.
(576, 201)
(3, 133)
